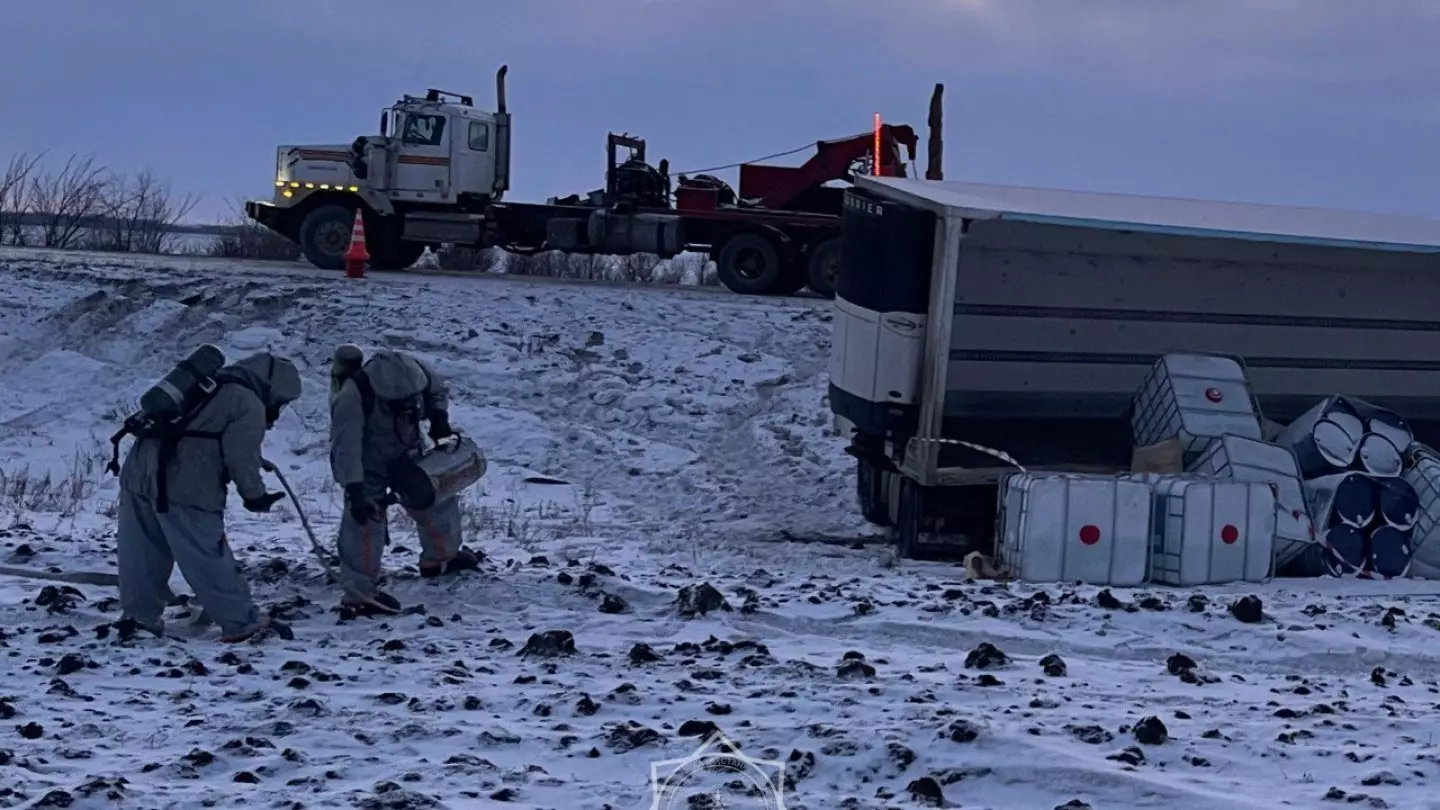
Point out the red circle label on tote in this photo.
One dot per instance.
(1089, 535)
(1229, 535)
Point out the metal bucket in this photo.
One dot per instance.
(1379, 456)
(1390, 552)
(426, 478)
(1346, 499)
(1344, 550)
(1325, 438)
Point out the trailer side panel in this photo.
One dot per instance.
(1058, 322)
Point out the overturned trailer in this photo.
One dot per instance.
(1025, 319)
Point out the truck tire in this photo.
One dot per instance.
(822, 266)
(325, 236)
(909, 518)
(749, 264)
(872, 493)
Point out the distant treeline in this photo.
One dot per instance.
(31, 219)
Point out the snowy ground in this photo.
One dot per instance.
(641, 444)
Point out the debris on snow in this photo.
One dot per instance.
(698, 600)
(676, 448)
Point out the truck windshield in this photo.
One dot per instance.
(424, 130)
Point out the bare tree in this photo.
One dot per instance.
(15, 196)
(67, 201)
(139, 214)
(112, 230)
(159, 210)
(243, 238)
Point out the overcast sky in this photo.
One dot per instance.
(1333, 103)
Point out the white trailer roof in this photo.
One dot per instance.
(1269, 223)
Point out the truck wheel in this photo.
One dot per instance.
(325, 236)
(908, 520)
(872, 493)
(823, 266)
(749, 264)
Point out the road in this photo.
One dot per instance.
(297, 269)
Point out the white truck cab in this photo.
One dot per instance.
(434, 153)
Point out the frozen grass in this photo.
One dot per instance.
(68, 493)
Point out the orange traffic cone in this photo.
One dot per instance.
(357, 256)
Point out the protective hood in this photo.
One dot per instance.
(393, 375)
(274, 379)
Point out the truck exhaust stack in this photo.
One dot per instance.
(934, 159)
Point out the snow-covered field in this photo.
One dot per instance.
(643, 445)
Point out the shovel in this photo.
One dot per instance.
(320, 553)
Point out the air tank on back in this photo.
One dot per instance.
(347, 360)
(179, 391)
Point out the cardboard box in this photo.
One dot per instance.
(1165, 458)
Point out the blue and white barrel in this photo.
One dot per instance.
(1381, 422)
(1344, 499)
(1345, 552)
(1399, 503)
(1389, 553)
(1378, 456)
(1325, 439)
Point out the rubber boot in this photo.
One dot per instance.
(464, 560)
(126, 629)
(269, 626)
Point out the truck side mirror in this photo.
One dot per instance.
(384, 123)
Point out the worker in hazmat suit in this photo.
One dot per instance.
(173, 490)
(376, 407)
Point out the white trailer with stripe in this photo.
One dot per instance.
(1025, 319)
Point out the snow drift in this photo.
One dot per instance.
(655, 457)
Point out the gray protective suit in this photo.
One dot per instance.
(191, 532)
(364, 449)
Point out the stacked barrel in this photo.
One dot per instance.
(1351, 456)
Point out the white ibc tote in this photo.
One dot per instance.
(1075, 528)
(1209, 532)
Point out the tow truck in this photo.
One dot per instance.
(438, 171)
